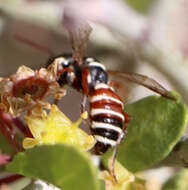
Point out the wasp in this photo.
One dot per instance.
(108, 120)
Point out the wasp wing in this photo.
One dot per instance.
(79, 31)
(141, 80)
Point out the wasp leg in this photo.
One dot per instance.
(83, 106)
(120, 138)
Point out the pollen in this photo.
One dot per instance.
(84, 115)
(56, 128)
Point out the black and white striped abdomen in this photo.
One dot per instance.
(107, 117)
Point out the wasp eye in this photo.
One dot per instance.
(64, 62)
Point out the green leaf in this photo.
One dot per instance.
(102, 185)
(156, 125)
(143, 6)
(177, 182)
(61, 165)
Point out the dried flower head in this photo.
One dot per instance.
(27, 89)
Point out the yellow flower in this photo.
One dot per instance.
(125, 179)
(56, 128)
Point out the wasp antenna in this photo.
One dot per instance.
(34, 44)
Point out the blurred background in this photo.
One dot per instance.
(143, 36)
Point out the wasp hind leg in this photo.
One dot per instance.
(120, 138)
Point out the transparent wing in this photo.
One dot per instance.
(124, 78)
(79, 31)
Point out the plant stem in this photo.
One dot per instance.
(10, 179)
(7, 128)
(22, 127)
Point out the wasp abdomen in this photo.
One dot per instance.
(107, 117)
